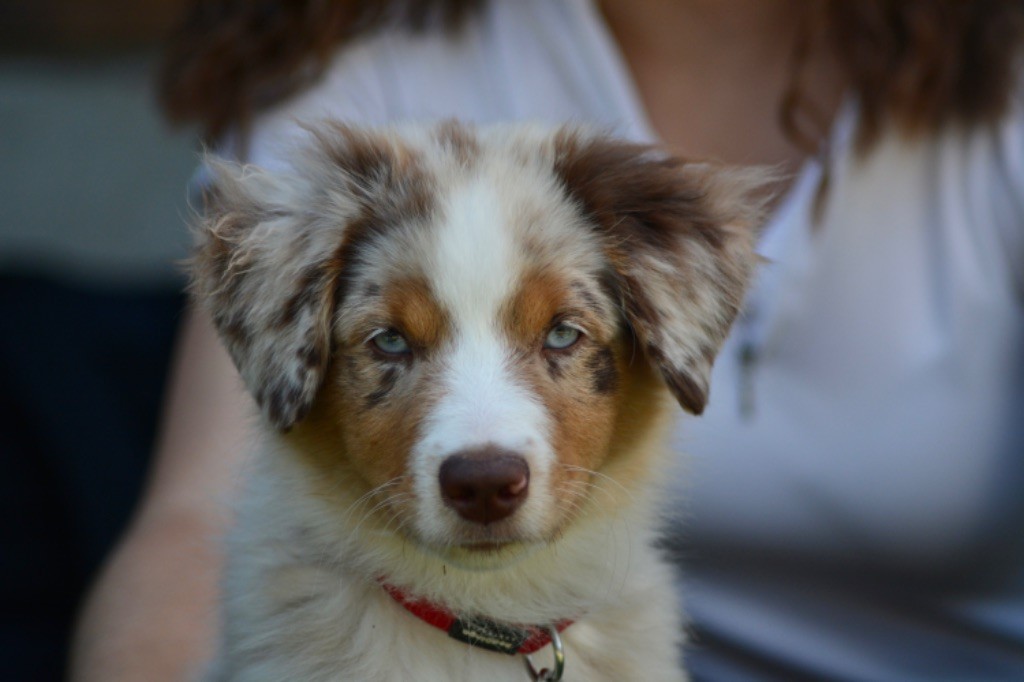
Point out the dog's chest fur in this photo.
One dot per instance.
(297, 609)
(461, 343)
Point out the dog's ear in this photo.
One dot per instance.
(680, 240)
(268, 289)
(271, 256)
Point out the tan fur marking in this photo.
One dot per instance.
(539, 299)
(367, 417)
(603, 442)
(416, 313)
(642, 410)
(583, 417)
(361, 451)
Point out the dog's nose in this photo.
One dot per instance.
(485, 485)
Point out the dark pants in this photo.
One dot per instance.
(81, 380)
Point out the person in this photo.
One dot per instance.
(850, 506)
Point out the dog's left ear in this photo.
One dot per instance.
(680, 240)
(259, 269)
(273, 249)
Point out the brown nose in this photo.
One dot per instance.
(485, 485)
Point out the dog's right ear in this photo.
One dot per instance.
(273, 250)
(266, 277)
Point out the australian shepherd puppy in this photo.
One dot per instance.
(464, 344)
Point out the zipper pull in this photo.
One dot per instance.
(748, 364)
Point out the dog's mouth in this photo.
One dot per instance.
(486, 556)
(485, 547)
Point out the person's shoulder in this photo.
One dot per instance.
(480, 71)
(513, 60)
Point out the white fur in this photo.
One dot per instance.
(482, 404)
(302, 599)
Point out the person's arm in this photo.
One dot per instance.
(152, 614)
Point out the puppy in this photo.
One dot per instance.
(464, 344)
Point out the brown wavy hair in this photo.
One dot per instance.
(230, 58)
(917, 65)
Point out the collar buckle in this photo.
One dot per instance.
(544, 674)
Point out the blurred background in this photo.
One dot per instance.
(93, 203)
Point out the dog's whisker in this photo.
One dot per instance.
(586, 489)
(572, 504)
(395, 517)
(602, 477)
(389, 503)
(367, 496)
(383, 503)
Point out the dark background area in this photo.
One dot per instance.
(93, 205)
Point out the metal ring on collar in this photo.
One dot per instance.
(546, 675)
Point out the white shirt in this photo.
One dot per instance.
(864, 518)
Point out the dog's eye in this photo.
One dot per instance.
(390, 342)
(561, 337)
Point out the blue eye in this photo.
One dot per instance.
(561, 337)
(390, 342)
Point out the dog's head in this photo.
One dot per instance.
(476, 326)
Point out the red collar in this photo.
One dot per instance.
(506, 638)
